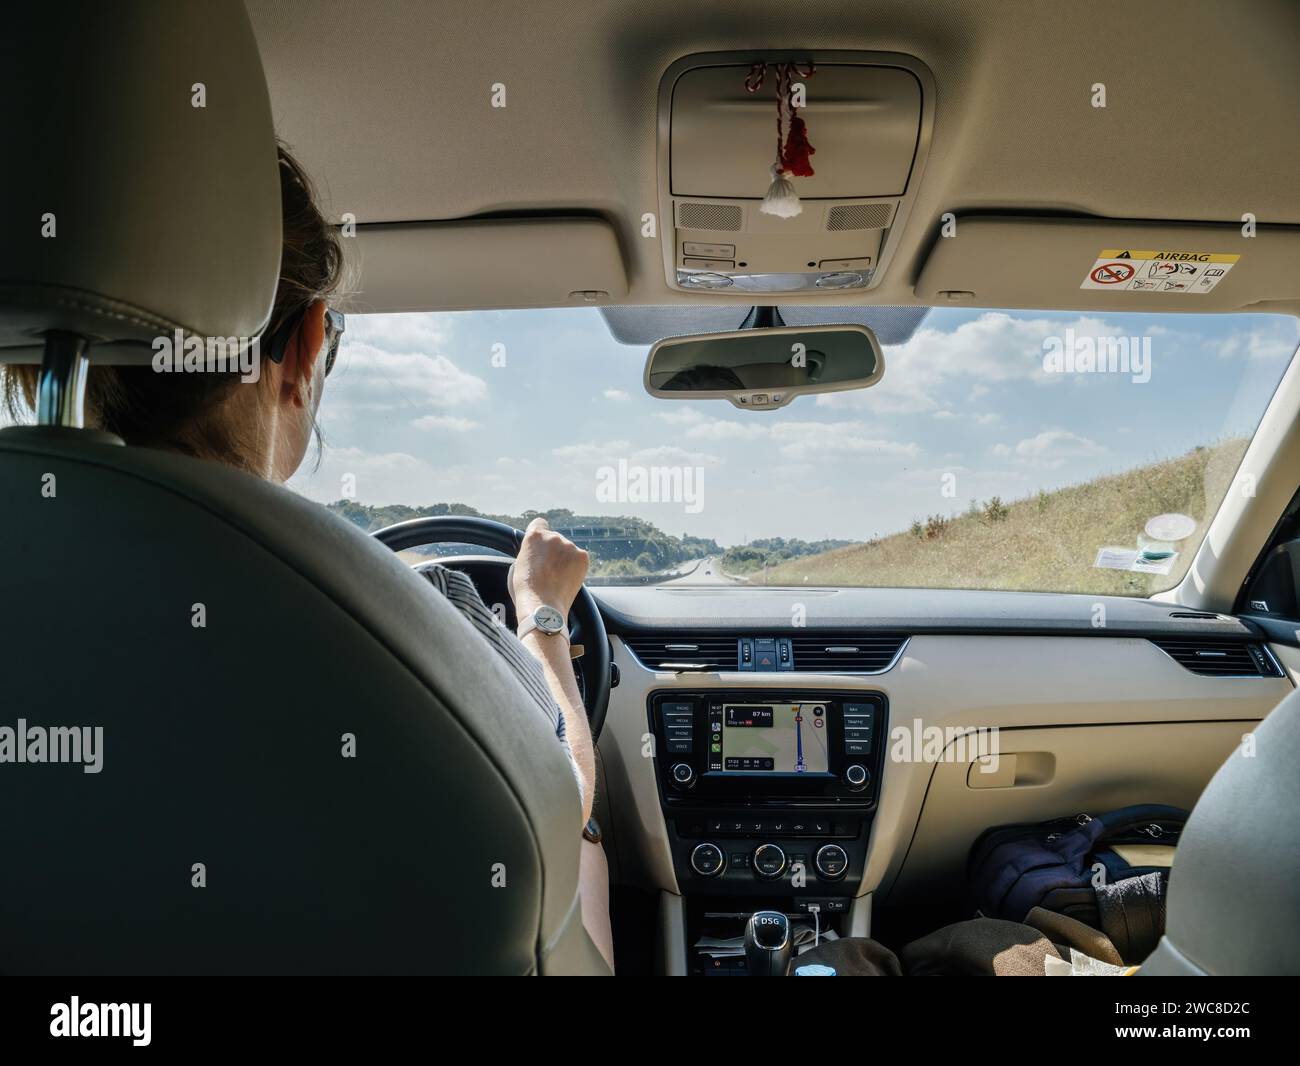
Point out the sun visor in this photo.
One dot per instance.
(489, 263)
(1080, 264)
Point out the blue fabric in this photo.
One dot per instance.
(1013, 876)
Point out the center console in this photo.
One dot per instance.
(769, 792)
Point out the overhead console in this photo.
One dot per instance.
(868, 117)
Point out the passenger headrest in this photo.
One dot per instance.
(140, 186)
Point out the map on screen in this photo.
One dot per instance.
(783, 738)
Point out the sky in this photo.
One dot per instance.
(515, 410)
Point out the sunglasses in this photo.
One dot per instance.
(334, 327)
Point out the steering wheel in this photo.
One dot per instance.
(586, 627)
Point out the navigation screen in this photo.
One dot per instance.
(781, 738)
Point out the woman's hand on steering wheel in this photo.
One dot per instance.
(594, 664)
(549, 570)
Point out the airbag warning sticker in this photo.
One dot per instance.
(1134, 270)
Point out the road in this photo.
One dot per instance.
(705, 571)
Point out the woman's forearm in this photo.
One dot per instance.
(553, 653)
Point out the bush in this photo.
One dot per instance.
(918, 530)
(995, 510)
(936, 526)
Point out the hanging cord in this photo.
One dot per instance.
(792, 154)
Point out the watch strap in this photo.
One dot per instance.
(527, 625)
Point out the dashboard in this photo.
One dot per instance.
(1092, 703)
(809, 749)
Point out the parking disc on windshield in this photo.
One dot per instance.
(1170, 527)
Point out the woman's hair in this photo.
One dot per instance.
(182, 412)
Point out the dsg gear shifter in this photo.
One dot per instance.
(768, 945)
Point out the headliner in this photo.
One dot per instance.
(390, 109)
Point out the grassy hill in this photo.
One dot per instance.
(1044, 542)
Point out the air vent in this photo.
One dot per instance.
(725, 217)
(677, 649)
(861, 653)
(1220, 658)
(859, 216)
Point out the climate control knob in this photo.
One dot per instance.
(769, 862)
(856, 777)
(831, 862)
(683, 775)
(707, 860)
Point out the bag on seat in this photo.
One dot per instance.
(1014, 868)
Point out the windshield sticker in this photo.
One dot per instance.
(1150, 560)
(1136, 270)
(1170, 527)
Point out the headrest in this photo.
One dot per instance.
(141, 188)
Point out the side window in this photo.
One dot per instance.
(1271, 593)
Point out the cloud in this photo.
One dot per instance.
(378, 380)
(802, 440)
(671, 455)
(1274, 342)
(617, 395)
(1049, 449)
(593, 451)
(447, 422)
(995, 347)
(607, 453)
(376, 477)
(681, 416)
(725, 429)
(399, 333)
(813, 440)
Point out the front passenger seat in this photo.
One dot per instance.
(224, 829)
(1234, 890)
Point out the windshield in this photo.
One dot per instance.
(1036, 451)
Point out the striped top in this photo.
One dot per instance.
(462, 595)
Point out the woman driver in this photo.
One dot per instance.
(264, 428)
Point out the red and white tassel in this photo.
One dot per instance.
(781, 200)
(793, 152)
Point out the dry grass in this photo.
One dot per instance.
(1046, 542)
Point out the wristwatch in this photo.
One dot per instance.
(545, 619)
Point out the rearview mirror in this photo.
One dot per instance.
(763, 369)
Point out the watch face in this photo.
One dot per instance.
(548, 619)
